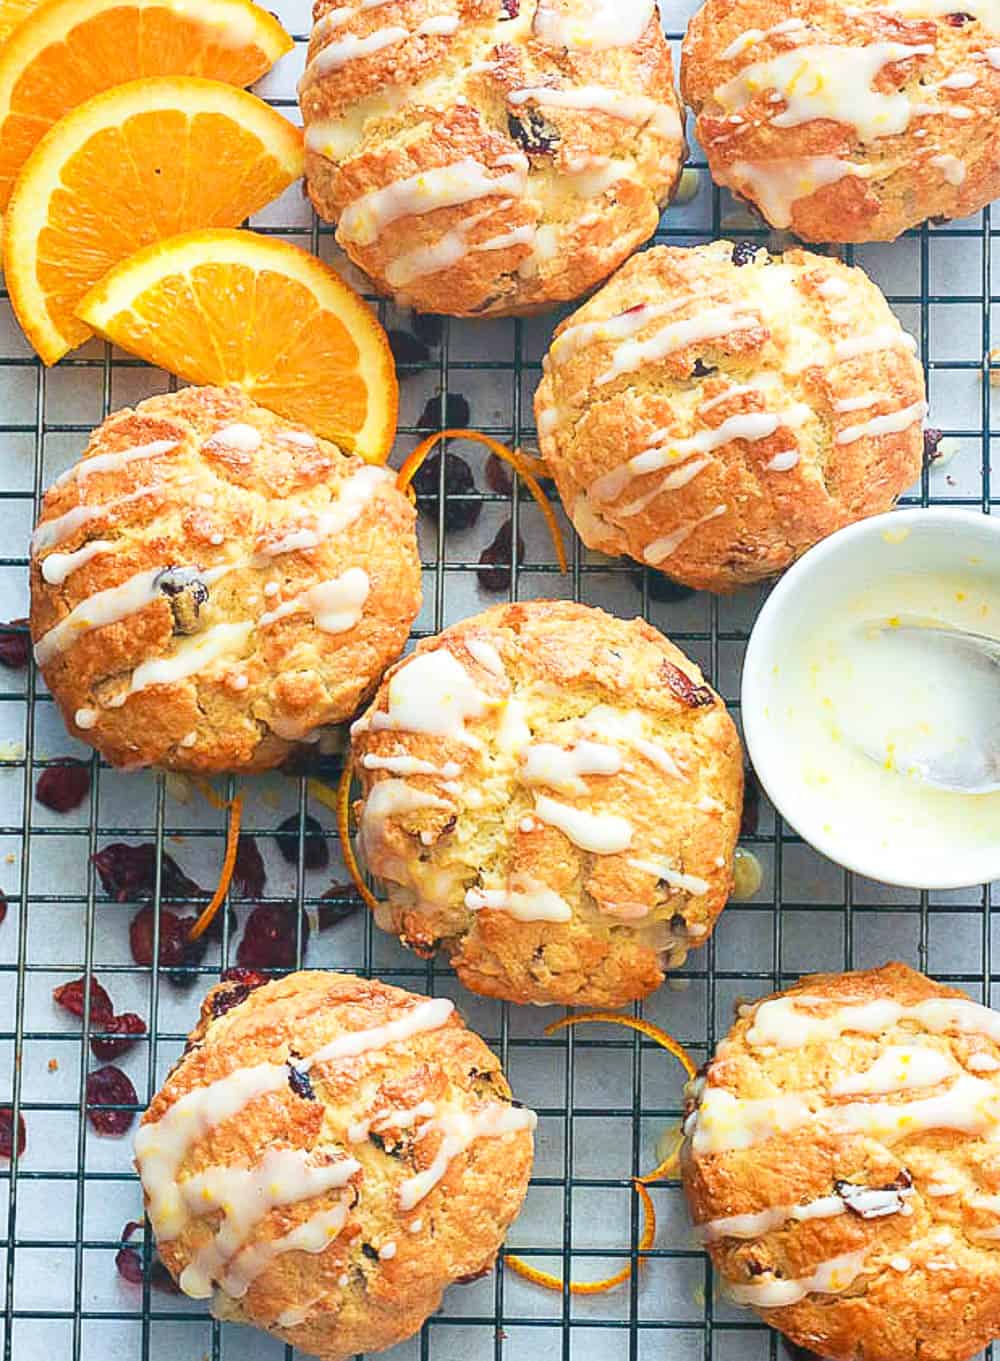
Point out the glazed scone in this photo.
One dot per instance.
(210, 584)
(490, 156)
(553, 797)
(330, 1155)
(842, 1160)
(715, 410)
(849, 121)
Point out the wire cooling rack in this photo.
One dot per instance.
(603, 1102)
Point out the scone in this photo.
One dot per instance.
(553, 797)
(848, 120)
(210, 585)
(842, 1161)
(490, 156)
(329, 1156)
(715, 410)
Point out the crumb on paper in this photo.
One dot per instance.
(10, 858)
(53, 1065)
(994, 358)
(11, 751)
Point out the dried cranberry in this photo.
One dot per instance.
(751, 803)
(959, 18)
(124, 1032)
(509, 9)
(107, 1087)
(128, 874)
(177, 953)
(15, 645)
(3, 906)
(70, 996)
(533, 132)
(128, 1264)
(462, 506)
(681, 685)
(408, 349)
(63, 787)
(701, 370)
(499, 477)
(315, 851)
(242, 983)
(932, 439)
(249, 874)
(270, 938)
(339, 902)
(456, 414)
(299, 1082)
(495, 570)
(746, 251)
(7, 1133)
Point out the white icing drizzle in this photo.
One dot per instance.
(245, 1196)
(661, 549)
(575, 338)
(639, 110)
(431, 693)
(389, 799)
(982, 1063)
(629, 726)
(460, 1131)
(337, 605)
(884, 338)
(446, 186)
(829, 81)
(899, 1068)
(750, 426)
(599, 833)
(58, 566)
(593, 25)
(98, 610)
(890, 424)
(862, 402)
(86, 718)
(757, 1223)
(530, 902)
(453, 247)
(411, 765)
(662, 869)
(711, 324)
(486, 655)
(352, 497)
(55, 531)
(736, 390)
(752, 36)
(314, 1235)
(191, 656)
(829, 1278)
(337, 54)
(544, 763)
(246, 439)
(779, 184)
(783, 462)
(952, 167)
(114, 462)
(792, 1022)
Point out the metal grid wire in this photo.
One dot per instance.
(603, 1102)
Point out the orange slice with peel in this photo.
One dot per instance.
(65, 51)
(12, 13)
(218, 307)
(140, 162)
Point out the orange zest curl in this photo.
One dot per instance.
(652, 1032)
(514, 458)
(346, 845)
(228, 865)
(550, 1282)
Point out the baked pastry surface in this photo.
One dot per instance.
(842, 1160)
(848, 121)
(715, 411)
(329, 1155)
(210, 584)
(490, 156)
(553, 797)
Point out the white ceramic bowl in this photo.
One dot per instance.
(827, 577)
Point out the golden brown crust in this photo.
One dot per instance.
(834, 177)
(578, 187)
(924, 1281)
(454, 1232)
(607, 923)
(781, 336)
(200, 501)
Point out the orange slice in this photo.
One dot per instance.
(12, 12)
(65, 51)
(133, 165)
(233, 307)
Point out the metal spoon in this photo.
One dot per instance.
(971, 764)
